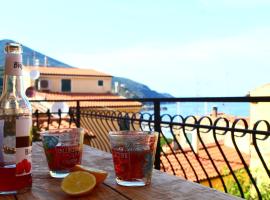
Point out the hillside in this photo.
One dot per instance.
(132, 89)
(29, 55)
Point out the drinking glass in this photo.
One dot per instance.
(63, 150)
(133, 156)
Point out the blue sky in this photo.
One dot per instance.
(186, 48)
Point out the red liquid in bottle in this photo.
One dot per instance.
(10, 182)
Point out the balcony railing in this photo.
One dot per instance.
(228, 153)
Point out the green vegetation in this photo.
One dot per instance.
(247, 186)
(35, 134)
(163, 141)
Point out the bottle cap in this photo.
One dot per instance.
(13, 47)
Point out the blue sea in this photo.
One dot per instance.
(199, 109)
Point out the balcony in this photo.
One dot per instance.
(225, 152)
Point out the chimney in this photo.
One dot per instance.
(28, 61)
(45, 61)
(34, 57)
(116, 87)
(36, 62)
(214, 111)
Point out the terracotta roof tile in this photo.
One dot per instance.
(67, 71)
(216, 156)
(43, 124)
(87, 96)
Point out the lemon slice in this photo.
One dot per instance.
(78, 183)
(100, 175)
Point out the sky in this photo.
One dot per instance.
(185, 48)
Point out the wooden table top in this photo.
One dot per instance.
(163, 186)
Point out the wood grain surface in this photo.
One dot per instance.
(10, 197)
(163, 186)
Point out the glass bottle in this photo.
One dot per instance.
(15, 126)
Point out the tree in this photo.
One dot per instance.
(247, 186)
(163, 141)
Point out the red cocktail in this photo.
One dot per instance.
(133, 156)
(63, 158)
(129, 165)
(63, 150)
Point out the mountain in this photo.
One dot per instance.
(133, 89)
(29, 55)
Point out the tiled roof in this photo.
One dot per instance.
(216, 156)
(88, 96)
(67, 71)
(54, 124)
(43, 124)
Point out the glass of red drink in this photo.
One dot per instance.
(63, 150)
(133, 156)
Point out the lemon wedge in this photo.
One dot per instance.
(100, 175)
(78, 183)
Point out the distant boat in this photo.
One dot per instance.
(164, 108)
(147, 107)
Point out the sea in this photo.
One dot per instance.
(199, 109)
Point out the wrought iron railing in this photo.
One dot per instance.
(228, 153)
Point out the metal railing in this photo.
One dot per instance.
(228, 154)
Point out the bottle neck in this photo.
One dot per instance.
(13, 100)
(13, 79)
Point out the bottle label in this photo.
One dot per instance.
(23, 125)
(23, 145)
(14, 65)
(24, 161)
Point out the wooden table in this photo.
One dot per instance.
(163, 186)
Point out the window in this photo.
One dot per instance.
(44, 83)
(100, 82)
(66, 85)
